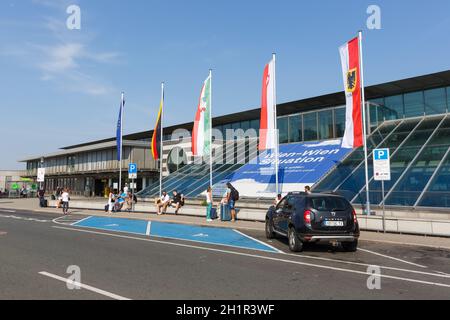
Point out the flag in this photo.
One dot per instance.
(353, 136)
(119, 131)
(201, 137)
(156, 139)
(267, 139)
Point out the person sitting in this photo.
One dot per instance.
(162, 203)
(177, 201)
(129, 202)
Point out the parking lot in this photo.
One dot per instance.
(38, 249)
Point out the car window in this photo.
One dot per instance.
(282, 203)
(329, 204)
(291, 201)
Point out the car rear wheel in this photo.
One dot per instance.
(269, 229)
(295, 245)
(350, 246)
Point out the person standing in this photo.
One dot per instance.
(111, 200)
(65, 201)
(41, 195)
(209, 203)
(126, 189)
(232, 197)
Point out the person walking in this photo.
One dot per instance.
(65, 201)
(209, 204)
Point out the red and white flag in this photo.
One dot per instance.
(267, 139)
(353, 137)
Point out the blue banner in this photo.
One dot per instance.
(300, 165)
(119, 134)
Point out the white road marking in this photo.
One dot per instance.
(392, 258)
(84, 286)
(406, 244)
(261, 242)
(437, 274)
(23, 218)
(256, 256)
(149, 226)
(9, 211)
(80, 221)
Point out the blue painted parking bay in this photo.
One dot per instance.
(208, 235)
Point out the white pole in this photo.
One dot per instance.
(364, 122)
(121, 141)
(161, 142)
(277, 187)
(210, 132)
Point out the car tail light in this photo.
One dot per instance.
(355, 218)
(307, 216)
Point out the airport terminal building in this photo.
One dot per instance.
(410, 117)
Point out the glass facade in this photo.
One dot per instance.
(420, 165)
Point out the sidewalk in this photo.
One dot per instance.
(388, 238)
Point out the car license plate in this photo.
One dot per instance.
(334, 223)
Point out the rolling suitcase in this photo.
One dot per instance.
(225, 214)
(213, 213)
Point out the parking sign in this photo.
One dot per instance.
(381, 165)
(132, 171)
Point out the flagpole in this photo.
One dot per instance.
(277, 187)
(121, 141)
(161, 142)
(364, 122)
(210, 132)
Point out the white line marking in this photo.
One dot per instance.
(23, 218)
(406, 244)
(441, 275)
(259, 241)
(149, 225)
(9, 211)
(393, 258)
(255, 256)
(84, 286)
(80, 221)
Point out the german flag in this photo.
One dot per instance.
(156, 139)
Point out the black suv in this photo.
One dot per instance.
(312, 218)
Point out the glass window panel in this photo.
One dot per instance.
(448, 99)
(414, 104)
(376, 109)
(325, 125)
(435, 101)
(438, 194)
(282, 125)
(295, 128)
(394, 107)
(339, 119)
(245, 125)
(254, 124)
(310, 126)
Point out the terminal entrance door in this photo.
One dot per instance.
(99, 187)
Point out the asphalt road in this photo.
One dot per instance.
(35, 251)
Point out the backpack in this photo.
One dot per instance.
(234, 194)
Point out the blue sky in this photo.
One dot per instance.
(62, 87)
